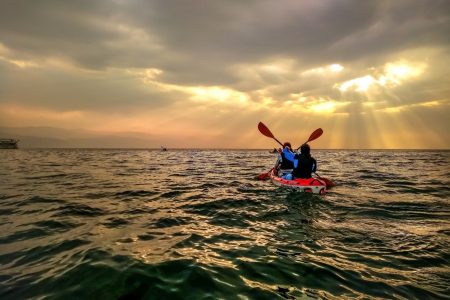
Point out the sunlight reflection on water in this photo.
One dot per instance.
(171, 221)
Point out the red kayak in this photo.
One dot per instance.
(308, 185)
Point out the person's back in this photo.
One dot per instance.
(284, 165)
(306, 165)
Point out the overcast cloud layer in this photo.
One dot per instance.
(372, 74)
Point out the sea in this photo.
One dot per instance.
(197, 224)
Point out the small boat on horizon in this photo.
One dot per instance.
(8, 143)
(275, 150)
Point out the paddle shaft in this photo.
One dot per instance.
(281, 144)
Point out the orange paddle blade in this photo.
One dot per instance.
(263, 176)
(264, 130)
(327, 181)
(317, 133)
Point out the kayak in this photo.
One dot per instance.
(308, 185)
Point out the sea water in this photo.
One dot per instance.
(195, 224)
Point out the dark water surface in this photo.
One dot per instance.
(191, 224)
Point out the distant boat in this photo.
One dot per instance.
(8, 144)
(163, 148)
(275, 150)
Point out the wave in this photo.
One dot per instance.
(127, 224)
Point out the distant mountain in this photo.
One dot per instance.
(50, 137)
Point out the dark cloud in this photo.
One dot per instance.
(213, 35)
(204, 42)
(194, 41)
(90, 34)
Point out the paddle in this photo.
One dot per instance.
(264, 176)
(327, 181)
(265, 131)
(316, 134)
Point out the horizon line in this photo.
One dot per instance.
(222, 148)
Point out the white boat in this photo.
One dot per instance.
(8, 144)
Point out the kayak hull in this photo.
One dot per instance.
(308, 185)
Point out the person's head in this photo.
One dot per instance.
(304, 149)
(287, 144)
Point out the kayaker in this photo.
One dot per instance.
(304, 164)
(283, 165)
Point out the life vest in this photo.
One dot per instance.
(305, 167)
(285, 164)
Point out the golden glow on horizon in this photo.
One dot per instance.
(340, 129)
(35, 114)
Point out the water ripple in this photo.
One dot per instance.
(194, 224)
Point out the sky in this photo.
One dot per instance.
(202, 73)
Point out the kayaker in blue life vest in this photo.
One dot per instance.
(304, 164)
(283, 165)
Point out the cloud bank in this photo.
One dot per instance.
(372, 74)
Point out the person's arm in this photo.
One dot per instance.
(314, 166)
(278, 162)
